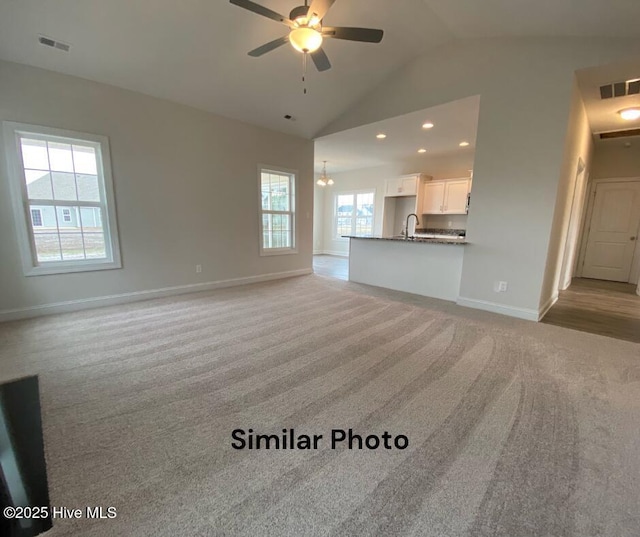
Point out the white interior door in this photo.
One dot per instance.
(613, 231)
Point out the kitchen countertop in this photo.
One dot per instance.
(422, 240)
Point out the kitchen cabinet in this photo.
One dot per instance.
(402, 186)
(446, 197)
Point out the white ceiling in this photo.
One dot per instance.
(195, 51)
(359, 148)
(603, 113)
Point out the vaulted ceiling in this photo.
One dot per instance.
(195, 51)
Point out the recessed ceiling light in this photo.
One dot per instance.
(630, 113)
(422, 150)
(427, 125)
(381, 136)
(464, 144)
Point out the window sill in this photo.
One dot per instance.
(46, 270)
(278, 251)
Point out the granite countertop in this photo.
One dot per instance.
(423, 240)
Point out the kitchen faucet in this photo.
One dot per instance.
(406, 229)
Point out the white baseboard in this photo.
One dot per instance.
(112, 300)
(335, 253)
(547, 306)
(511, 311)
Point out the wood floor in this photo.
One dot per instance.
(332, 266)
(599, 307)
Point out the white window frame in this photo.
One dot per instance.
(21, 203)
(293, 200)
(66, 215)
(354, 193)
(39, 211)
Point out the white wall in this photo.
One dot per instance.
(525, 87)
(186, 185)
(612, 159)
(570, 201)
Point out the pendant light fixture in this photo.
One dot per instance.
(324, 180)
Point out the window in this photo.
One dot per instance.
(354, 214)
(277, 212)
(36, 217)
(63, 180)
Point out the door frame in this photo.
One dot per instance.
(635, 264)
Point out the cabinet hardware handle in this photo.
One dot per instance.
(633, 238)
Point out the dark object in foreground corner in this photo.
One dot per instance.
(23, 474)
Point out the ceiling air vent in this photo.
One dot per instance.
(619, 134)
(47, 41)
(620, 89)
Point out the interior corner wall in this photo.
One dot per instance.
(186, 186)
(570, 199)
(318, 219)
(525, 87)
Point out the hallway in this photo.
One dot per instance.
(598, 307)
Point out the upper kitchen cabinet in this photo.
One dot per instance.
(446, 197)
(407, 185)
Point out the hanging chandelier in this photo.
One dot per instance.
(324, 180)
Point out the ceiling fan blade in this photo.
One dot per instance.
(321, 60)
(268, 47)
(265, 12)
(366, 35)
(319, 8)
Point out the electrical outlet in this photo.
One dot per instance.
(198, 268)
(500, 287)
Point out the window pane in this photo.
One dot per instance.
(364, 226)
(34, 154)
(47, 246)
(88, 189)
(72, 245)
(60, 158)
(275, 190)
(91, 218)
(38, 185)
(64, 186)
(95, 246)
(365, 204)
(265, 190)
(344, 205)
(84, 160)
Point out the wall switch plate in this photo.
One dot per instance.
(198, 268)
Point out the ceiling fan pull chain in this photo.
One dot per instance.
(304, 72)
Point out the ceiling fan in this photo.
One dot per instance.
(307, 32)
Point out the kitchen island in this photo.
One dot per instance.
(424, 266)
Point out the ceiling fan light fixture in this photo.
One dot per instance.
(630, 113)
(305, 39)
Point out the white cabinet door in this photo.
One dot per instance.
(402, 186)
(409, 186)
(433, 202)
(455, 197)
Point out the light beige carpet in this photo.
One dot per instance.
(515, 429)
